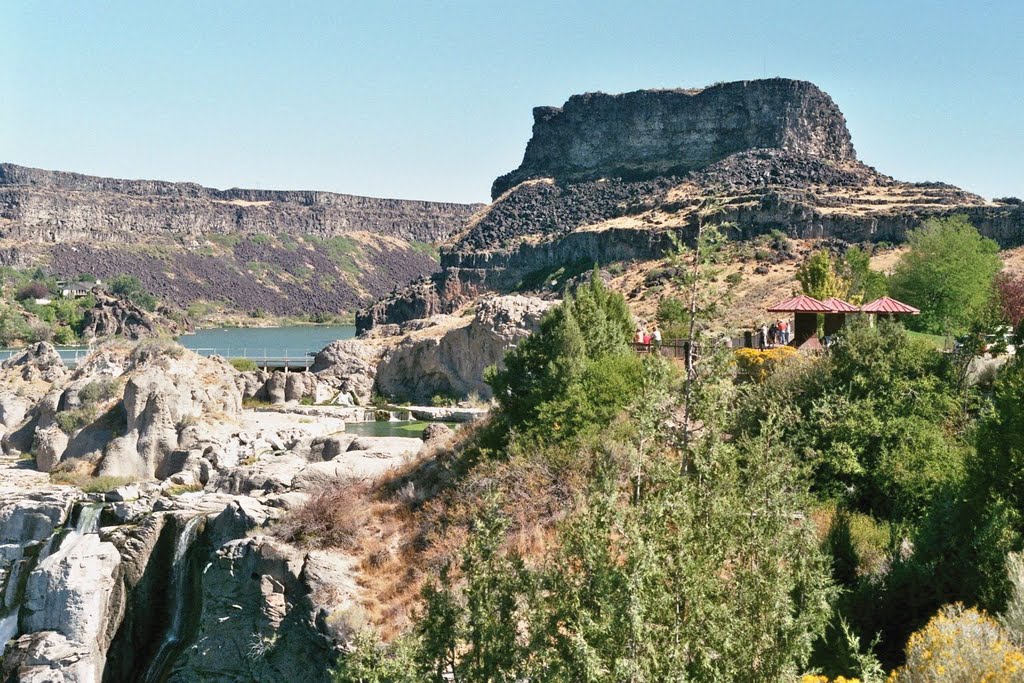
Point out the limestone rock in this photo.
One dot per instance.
(112, 316)
(162, 397)
(71, 592)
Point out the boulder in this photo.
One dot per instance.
(348, 366)
(453, 365)
(49, 446)
(275, 388)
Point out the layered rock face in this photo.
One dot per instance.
(278, 252)
(651, 133)
(610, 178)
(54, 206)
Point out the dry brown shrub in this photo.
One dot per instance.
(333, 517)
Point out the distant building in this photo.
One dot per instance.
(76, 290)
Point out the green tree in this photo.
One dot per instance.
(576, 372)
(129, 287)
(948, 273)
(819, 279)
(865, 284)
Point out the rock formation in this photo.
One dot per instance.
(650, 133)
(176, 576)
(453, 364)
(610, 178)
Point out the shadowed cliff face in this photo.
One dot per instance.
(651, 133)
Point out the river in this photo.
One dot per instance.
(293, 341)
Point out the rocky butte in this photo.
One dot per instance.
(609, 178)
(283, 252)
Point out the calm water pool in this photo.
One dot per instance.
(412, 428)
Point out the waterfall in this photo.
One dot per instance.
(89, 519)
(20, 569)
(178, 601)
(8, 629)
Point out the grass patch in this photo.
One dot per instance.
(179, 489)
(87, 482)
(244, 364)
(432, 251)
(935, 340)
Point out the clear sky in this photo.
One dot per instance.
(432, 99)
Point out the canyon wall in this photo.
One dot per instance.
(54, 206)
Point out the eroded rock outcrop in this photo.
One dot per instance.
(112, 316)
(651, 133)
(453, 364)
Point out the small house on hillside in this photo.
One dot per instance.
(76, 290)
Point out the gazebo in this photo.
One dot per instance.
(835, 320)
(805, 310)
(889, 308)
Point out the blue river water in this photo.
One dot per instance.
(294, 341)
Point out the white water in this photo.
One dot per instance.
(179, 586)
(8, 629)
(9, 622)
(89, 519)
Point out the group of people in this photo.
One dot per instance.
(777, 334)
(647, 336)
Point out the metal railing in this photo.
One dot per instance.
(263, 357)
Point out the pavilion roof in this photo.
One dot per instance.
(887, 305)
(840, 306)
(800, 304)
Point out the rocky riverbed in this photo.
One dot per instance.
(141, 494)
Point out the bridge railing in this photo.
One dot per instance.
(263, 357)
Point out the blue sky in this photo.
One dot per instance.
(432, 100)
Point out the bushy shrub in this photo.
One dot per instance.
(960, 645)
(129, 287)
(70, 421)
(333, 517)
(97, 391)
(757, 365)
(33, 290)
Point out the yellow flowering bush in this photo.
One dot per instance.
(818, 678)
(757, 364)
(961, 645)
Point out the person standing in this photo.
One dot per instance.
(656, 336)
(773, 334)
(762, 336)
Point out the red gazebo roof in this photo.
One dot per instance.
(800, 304)
(887, 305)
(840, 306)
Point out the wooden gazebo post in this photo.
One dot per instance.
(805, 310)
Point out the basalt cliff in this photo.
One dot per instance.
(280, 252)
(613, 178)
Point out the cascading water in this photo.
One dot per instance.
(8, 629)
(88, 523)
(89, 519)
(156, 672)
